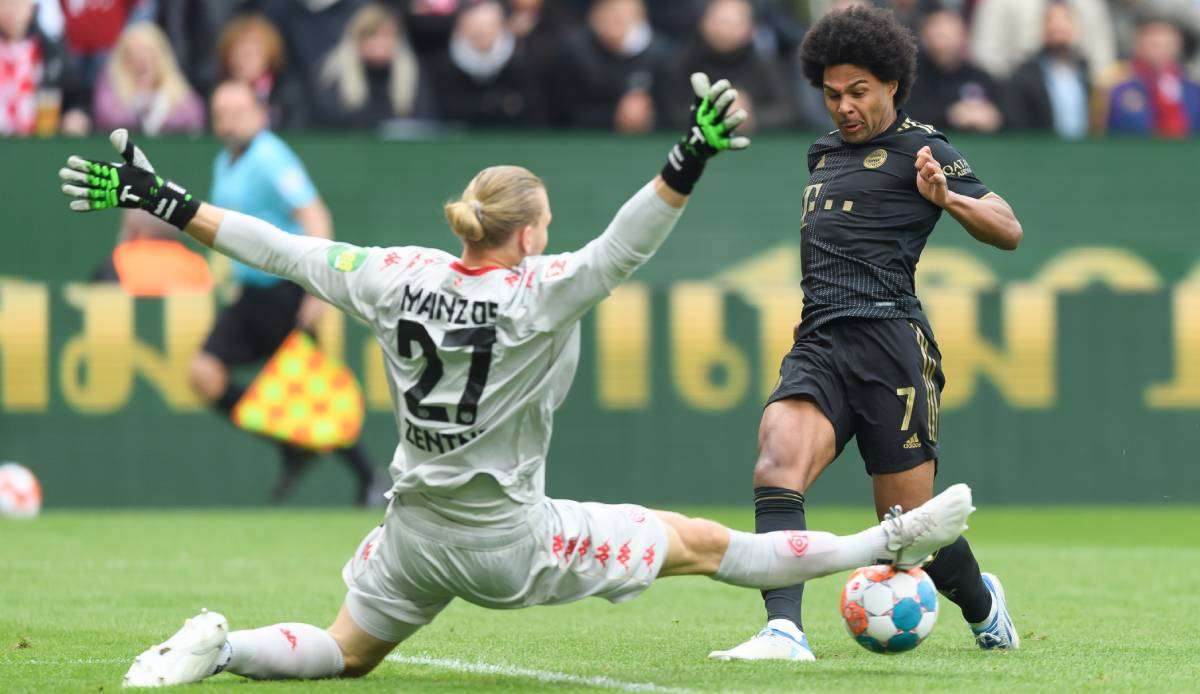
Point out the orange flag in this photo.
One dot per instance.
(303, 397)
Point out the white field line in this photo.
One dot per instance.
(68, 661)
(529, 673)
(446, 664)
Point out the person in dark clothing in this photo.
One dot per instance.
(603, 74)
(191, 26)
(675, 20)
(312, 28)
(1052, 90)
(951, 92)
(539, 27)
(372, 75)
(251, 50)
(429, 22)
(725, 46)
(865, 364)
(483, 79)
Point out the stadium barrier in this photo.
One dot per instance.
(1073, 365)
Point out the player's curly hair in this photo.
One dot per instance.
(868, 37)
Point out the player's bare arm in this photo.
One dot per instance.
(989, 219)
(205, 224)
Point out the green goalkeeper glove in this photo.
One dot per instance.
(710, 132)
(102, 186)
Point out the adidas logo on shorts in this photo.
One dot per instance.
(913, 442)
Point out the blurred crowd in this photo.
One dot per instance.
(1068, 67)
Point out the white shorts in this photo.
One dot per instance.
(407, 570)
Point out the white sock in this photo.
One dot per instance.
(282, 651)
(787, 626)
(787, 557)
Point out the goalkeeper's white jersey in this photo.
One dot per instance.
(477, 360)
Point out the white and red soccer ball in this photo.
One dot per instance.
(20, 492)
(889, 610)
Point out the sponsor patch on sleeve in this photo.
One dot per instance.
(345, 258)
(957, 168)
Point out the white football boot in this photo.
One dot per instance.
(915, 535)
(188, 656)
(779, 640)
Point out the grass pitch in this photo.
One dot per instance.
(1105, 598)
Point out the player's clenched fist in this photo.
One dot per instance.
(96, 185)
(931, 180)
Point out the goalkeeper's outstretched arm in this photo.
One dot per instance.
(305, 260)
(643, 223)
(325, 269)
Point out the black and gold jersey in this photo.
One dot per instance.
(865, 223)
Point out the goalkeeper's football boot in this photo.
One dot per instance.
(779, 640)
(997, 631)
(915, 535)
(188, 656)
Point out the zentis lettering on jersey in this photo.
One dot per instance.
(436, 442)
(444, 308)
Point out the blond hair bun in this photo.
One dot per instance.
(464, 220)
(498, 202)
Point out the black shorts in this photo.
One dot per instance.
(252, 328)
(878, 380)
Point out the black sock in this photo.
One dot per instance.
(355, 456)
(776, 508)
(956, 574)
(226, 402)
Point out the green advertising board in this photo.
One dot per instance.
(1073, 364)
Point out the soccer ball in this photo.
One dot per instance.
(20, 493)
(888, 610)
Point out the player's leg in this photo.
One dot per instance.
(291, 650)
(304, 651)
(954, 569)
(898, 401)
(381, 610)
(802, 430)
(796, 442)
(696, 546)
